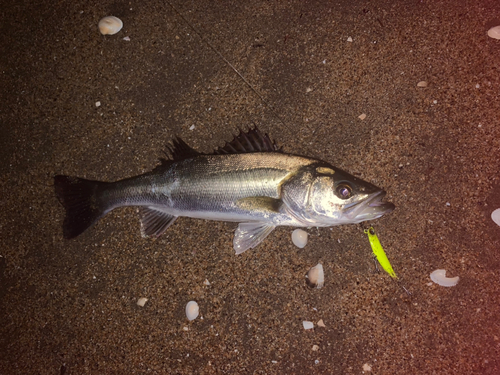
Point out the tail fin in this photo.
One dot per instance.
(78, 196)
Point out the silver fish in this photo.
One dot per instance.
(249, 181)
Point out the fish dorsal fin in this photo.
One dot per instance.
(179, 150)
(246, 142)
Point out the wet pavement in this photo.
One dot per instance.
(79, 103)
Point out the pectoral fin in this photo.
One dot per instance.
(153, 222)
(249, 235)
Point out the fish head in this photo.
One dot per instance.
(335, 197)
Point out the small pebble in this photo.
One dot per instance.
(321, 323)
(142, 301)
(299, 238)
(439, 277)
(362, 116)
(494, 32)
(192, 310)
(422, 84)
(349, 39)
(315, 348)
(367, 367)
(97, 104)
(206, 282)
(192, 127)
(495, 216)
(127, 39)
(307, 324)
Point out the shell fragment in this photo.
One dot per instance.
(439, 277)
(110, 25)
(307, 324)
(299, 238)
(192, 310)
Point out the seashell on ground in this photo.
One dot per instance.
(495, 216)
(192, 310)
(110, 25)
(494, 32)
(315, 278)
(142, 301)
(362, 116)
(321, 323)
(439, 277)
(422, 84)
(299, 238)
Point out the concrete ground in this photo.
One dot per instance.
(69, 306)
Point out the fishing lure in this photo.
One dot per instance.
(379, 252)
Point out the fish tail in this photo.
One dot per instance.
(80, 199)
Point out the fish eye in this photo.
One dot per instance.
(344, 191)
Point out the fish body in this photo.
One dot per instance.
(248, 181)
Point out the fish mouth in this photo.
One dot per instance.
(370, 208)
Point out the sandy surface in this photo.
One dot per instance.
(69, 307)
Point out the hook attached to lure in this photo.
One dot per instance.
(379, 252)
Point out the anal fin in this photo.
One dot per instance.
(154, 222)
(249, 235)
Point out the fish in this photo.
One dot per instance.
(249, 181)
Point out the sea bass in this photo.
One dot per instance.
(249, 181)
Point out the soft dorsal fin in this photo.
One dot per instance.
(246, 142)
(179, 150)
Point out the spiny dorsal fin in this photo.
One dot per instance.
(179, 150)
(246, 142)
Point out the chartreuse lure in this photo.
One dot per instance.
(379, 252)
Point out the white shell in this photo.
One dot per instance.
(316, 277)
(142, 301)
(192, 310)
(439, 277)
(495, 216)
(349, 39)
(110, 25)
(299, 238)
(494, 32)
(307, 324)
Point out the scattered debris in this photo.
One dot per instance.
(142, 301)
(299, 238)
(192, 310)
(307, 324)
(110, 25)
(439, 277)
(315, 278)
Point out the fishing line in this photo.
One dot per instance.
(207, 42)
